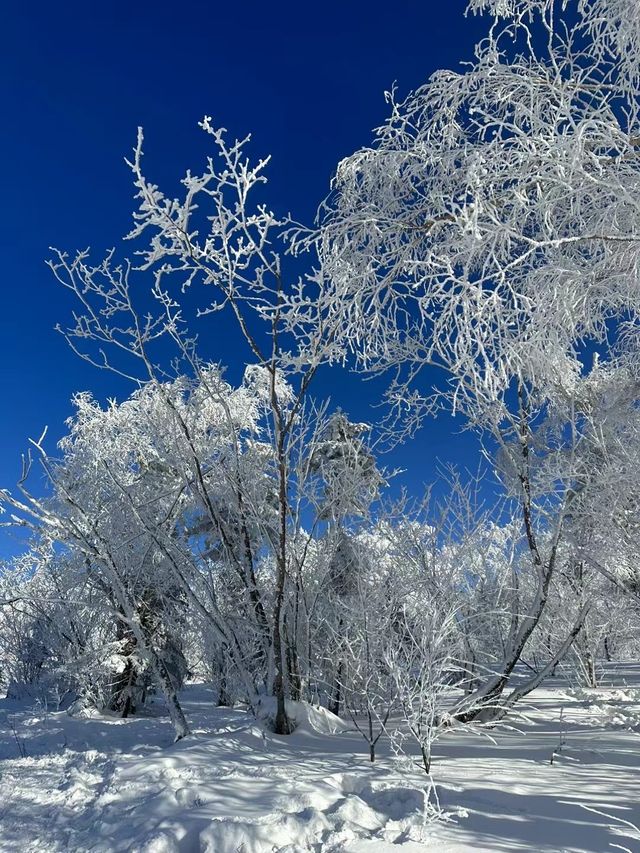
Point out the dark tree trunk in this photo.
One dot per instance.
(293, 669)
(336, 698)
(224, 700)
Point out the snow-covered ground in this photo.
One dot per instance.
(101, 784)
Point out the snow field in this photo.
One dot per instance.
(106, 785)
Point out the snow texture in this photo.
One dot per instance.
(553, 782)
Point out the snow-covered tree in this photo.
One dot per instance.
(491, 231)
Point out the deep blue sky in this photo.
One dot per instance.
(77, 79)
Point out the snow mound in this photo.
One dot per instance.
(314, 718)
(306, 718)
(352, 810)
(188, 797)
(83, 709)
(285, 832)
(158, 842)
(391, 815)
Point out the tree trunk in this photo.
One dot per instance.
(590, 666)
(282, 725)
(530, 685)
(293, 668)
(178, 719)
(426, 759)
(224, 699)
(336, 697)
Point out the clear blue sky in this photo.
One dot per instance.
(77, 78)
